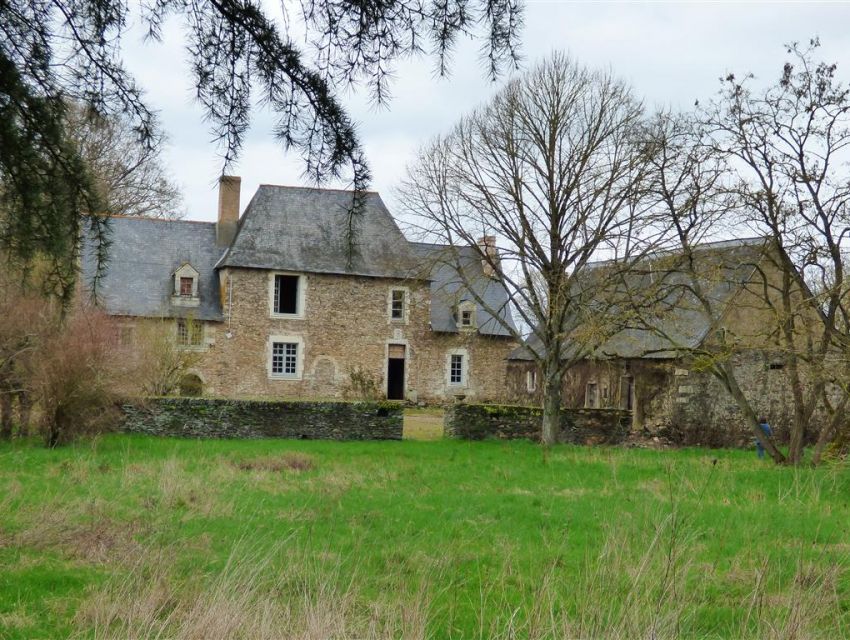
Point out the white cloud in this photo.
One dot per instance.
(672, 53)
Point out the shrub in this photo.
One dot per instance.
(362, 385)
(77, 373)
(24, 319)
(161, 364)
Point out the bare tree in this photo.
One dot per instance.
(159, 362)
(552, 167)
(691, 189)
(128, 173)
(789, 146)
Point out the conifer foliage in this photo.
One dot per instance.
(56, 51)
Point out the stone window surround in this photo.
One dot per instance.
(591, 395)
(299, 362)
(464, 376)
(405, 316)
(200, 345)
(471, 308)
(302, 296)
(185, 270)
(531, 380)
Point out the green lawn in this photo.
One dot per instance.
(135, 537)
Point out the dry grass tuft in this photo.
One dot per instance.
(290, 461)
(95, 537)
(248, 599)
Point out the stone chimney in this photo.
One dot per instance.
(488, 245)
(229, 188)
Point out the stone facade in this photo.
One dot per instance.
(284, 303)
(219, 418)
(345, 332)
(578, 426)
(673, 399)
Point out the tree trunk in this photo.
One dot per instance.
(551, 403)
(24, 413)
(830, 430)
(5, 415)
(751, 417)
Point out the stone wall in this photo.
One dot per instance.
(221, 418)
(578, 426)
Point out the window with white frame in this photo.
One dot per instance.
(285, 357)
(465, 315)
(190, 333)
(287, 294)
(185, 291)
(398, 300)
(187, 284)
(456, 369)
(531, 380)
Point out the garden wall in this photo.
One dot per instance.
(221, 418)
(578, 426)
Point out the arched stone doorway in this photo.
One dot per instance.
(191, 385)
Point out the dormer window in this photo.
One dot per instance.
(185, 289)
(465, 316)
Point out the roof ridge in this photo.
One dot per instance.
(321, 189)
(123, 216)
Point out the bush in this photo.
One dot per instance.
(77, 375)
(163, 367)
(24, 319)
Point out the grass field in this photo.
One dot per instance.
(134, 537)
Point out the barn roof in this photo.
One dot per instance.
(676, 317)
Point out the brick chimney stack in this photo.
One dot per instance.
(229, 188)
(488, 243)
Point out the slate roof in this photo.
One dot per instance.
(448, 265)
(723, 267)
(304, 229)
(143, 256)
(287, 229)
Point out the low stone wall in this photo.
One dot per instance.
(221, 418)
(578, 426)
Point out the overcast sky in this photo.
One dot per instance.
(671, 52)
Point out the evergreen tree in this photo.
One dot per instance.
(56, 51)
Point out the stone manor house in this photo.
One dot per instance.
(275, 304)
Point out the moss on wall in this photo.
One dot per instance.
(578, 426)
(224, 418)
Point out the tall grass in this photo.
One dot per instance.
(143, 538)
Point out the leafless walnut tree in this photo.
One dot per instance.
(691, 191)
(552, 166)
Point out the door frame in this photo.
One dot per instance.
(407, 359)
